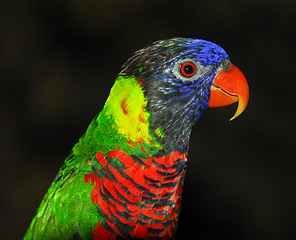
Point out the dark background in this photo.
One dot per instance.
(59, 60)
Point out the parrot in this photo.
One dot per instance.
(124, 177)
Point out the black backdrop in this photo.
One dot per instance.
(59, 60)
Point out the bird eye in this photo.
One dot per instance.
(188, 69)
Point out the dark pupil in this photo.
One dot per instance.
(188, 69)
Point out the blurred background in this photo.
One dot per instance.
(59, 60)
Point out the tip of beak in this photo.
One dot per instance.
(240, 108)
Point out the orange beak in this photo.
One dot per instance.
(230, 86)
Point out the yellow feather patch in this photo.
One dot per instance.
(126, 103)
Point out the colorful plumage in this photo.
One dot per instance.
(124, 177)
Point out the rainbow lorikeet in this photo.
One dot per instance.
(124, 178)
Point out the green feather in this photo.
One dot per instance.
(67, 207)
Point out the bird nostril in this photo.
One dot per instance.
(225, 65)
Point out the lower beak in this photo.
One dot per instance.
(230, 86)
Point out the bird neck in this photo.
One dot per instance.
(122, 124)
(128, 123)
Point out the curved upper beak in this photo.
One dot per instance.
(230, 86)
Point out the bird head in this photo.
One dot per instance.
(182, 77)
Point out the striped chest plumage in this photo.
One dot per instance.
(138, 198)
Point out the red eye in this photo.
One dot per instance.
(188, 69)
